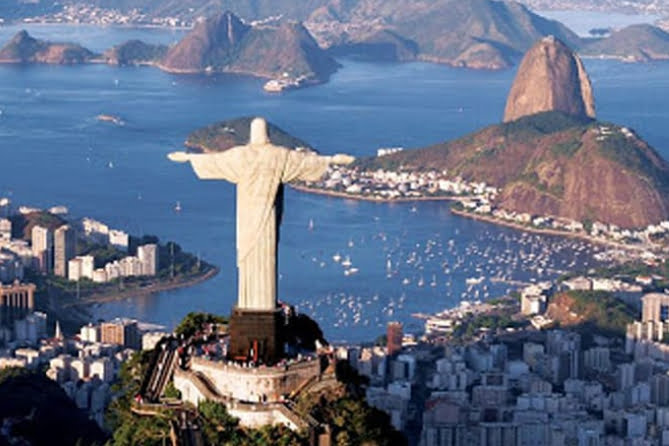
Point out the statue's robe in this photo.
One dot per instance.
(258, 170)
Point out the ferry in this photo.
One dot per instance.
(287, 83)
(110, 118)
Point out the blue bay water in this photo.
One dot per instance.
(54, 151)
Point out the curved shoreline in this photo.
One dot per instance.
(480, 217)
(347, 196)
(142, 291)
(552, 232)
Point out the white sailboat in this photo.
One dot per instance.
(177, 207)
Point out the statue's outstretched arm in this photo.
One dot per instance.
(211, 166)
(309, 166)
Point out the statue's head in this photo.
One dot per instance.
(259, 132)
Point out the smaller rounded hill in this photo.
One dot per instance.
(226, 134)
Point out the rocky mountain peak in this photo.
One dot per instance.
(551, 77)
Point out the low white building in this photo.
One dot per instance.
(99, 275)
(90, 333)
(103, 368)
(119, 239)
(80, 267)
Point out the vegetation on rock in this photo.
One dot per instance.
(234, 132)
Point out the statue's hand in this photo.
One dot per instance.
(342, 159)
(179, 157)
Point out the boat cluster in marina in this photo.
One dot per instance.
(379, 275)
(648, 240)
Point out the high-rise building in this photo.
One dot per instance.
(655, 307)
(148, 256)
(42, 245)
(121, 332)
(131, 266)
(81, 267)
(64, 250)
(5, 230)
(394, 336)
(74, 269)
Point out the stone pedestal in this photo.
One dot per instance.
(256, 335)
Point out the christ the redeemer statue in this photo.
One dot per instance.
(258, 169)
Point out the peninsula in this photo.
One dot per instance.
(550, 167)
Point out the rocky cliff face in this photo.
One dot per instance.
(288, 49)
(23, 48)
(210, 45)
(550, 78)
(225, 44)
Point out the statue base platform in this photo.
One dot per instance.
(256, 335)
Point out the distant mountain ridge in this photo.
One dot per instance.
(635, 43)
(478, 34)
(474, 34)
